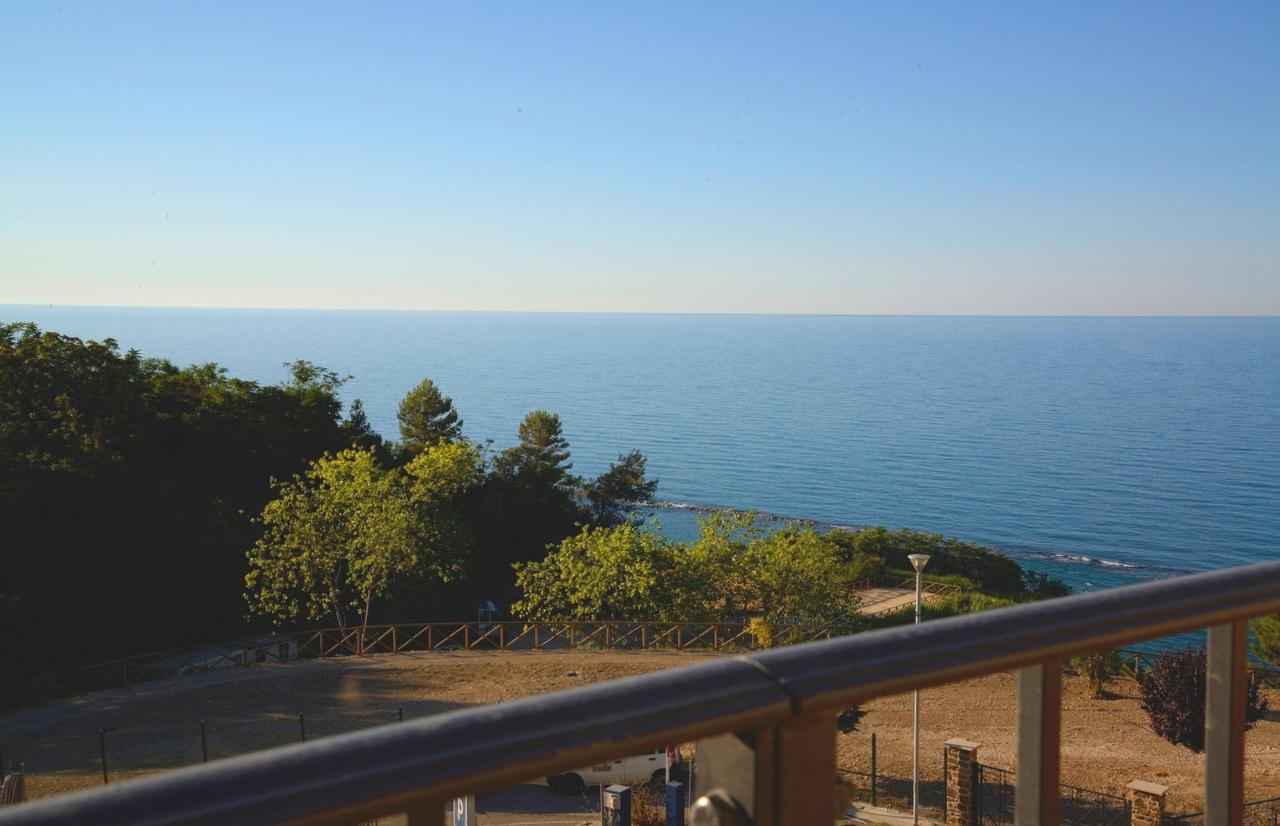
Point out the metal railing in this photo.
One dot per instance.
(764, 723)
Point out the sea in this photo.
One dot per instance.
(1101, 450)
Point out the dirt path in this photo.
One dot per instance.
(155, 726)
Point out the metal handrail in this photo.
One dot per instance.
(784, 699)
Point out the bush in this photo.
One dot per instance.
(760, 631)
(1173, 692)
(950, 606)
(1098, 669)
(1264, 639)
(850, 718)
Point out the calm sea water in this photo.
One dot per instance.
(1105, 451)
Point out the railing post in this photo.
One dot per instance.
(781, 776)
(1035, 800)
(805, 770)
(1224, 722)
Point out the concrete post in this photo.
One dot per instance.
(961, 763)
(1146, 803)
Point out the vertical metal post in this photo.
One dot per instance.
(1224, 722)
(915, 732)
(873, 768)
(204, 744)
(400, 714)
(102, 750)
(1035, 799)
(302, 727)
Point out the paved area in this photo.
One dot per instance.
(863, 813)
(880, 600)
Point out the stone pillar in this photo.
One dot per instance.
(961, 763)
(1146, 803)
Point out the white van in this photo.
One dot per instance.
(627, 771)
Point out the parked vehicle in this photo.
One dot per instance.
(628, 771)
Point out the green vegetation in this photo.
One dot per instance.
(131, 489)
(732, 570)
(1173, 692)
(1098, 669)
(145, 506)
(735, 571)
(1264, 639)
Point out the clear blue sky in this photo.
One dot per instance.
(735, 157)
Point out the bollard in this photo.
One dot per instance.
(302, 726)
(615, 806)
(677, 797)
(204, 744)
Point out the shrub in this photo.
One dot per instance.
(1265, 638)
(759, 630)
(850, 718)
(1098, 669)
(1173, 692)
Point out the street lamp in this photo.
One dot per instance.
(918, 561)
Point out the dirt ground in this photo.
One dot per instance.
(156, 726)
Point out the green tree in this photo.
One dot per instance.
(613, 493)
(427, 417)
(733, 570)
(541, 459)
(600, 573)
(795, 576)
(147, 457)
(342, 534)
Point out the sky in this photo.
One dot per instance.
(848, 157)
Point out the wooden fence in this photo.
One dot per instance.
(611, 635)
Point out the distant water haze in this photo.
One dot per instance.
(1101, 450)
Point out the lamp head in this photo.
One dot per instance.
(918, 561)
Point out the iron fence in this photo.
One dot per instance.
(993, 791)
(1256, 813)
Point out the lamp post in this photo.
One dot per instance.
(918, 561)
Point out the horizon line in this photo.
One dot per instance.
(402, 310)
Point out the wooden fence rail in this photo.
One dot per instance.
(326, 643)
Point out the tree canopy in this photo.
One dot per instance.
(731, 572)
(427, 417)
(343, 533)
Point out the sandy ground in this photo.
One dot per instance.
(154, 726)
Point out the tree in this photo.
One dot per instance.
(1098, 669)
(341, 535)
(541, 459)
(427, 417)
(733, 570)
(150, 458)
(794, 575)
(601, 573)
(1173, 694)
(619, 488)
